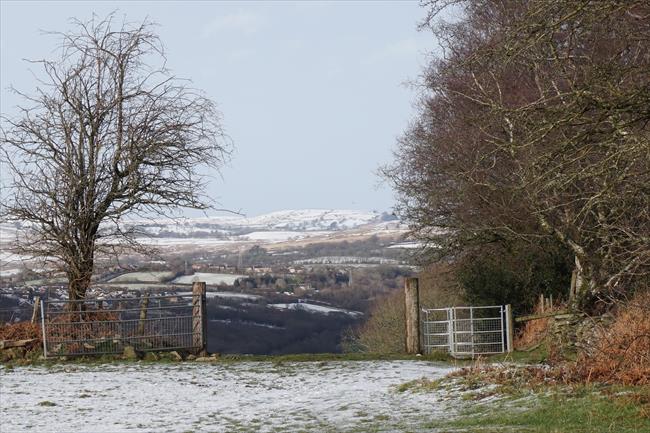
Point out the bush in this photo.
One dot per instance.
(514, 273)
(384, 331)
(22, 331)
(621, 353)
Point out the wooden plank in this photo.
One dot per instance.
(541, 316)
(5, 344)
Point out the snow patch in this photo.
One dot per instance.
(315, 308)
(10, 272)
(250, 396)
(143, 277)
(208, 278)
(226, 295)
(407, 245)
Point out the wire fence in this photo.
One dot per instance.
(466, 331)
(108, 326)
(16, 314)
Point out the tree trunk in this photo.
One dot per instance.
(584, 284)
(79, 278)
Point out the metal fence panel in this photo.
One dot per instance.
(19, 313)
(437, 329)
(107, 326)
(465, 331)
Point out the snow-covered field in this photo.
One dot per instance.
(343, 260)
(175, 242)
(208, 278)
(7, 258)
(282, 236)
(143, 277)
(295, 219)
(315, 308)
(159, 277)
(407, 245)
(232, 233)
(10, 272)
(335, 396)
(300, 220)
(225, 295)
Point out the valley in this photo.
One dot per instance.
(285, 282)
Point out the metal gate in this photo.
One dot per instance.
(468, 331)
(107, 326)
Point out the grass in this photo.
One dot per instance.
(581, 409)
(511, 406)
(537, 356)
(420, 385)
(534, 357)
(314, 357)
(537, 408)
(516, 399)
(164, 358)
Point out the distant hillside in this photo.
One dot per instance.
(281, 229)
(306, 220)
(275, 227)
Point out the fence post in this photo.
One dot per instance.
(509, 327)
(143, 313)
(199, 319)
(412, 304)
(37, 304)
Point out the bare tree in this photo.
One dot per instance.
(535, 125)
(107, 134)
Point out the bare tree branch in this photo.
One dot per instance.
(106, 134)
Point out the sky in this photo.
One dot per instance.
(313, 95)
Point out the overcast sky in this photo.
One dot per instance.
(313, 94)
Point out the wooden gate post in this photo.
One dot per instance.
(35, 311)
(412, 310)
(199, 319)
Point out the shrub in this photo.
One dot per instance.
(22, 331)
(384, 331)
(514, 273)
(621, 353)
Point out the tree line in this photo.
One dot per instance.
(528, 164)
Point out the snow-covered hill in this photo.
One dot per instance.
(230, 231)
(303, 220)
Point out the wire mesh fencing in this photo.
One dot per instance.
(466, 331)
(107, 326)
(15, 314)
